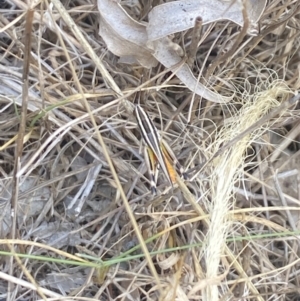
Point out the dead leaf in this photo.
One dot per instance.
(134, 41)
(164, 52)
(177, 16)
(124, 36)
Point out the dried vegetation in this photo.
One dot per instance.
(73, 172)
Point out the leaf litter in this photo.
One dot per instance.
(231, 230)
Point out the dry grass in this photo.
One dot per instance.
(75, 177)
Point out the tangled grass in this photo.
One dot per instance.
(74, 176)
